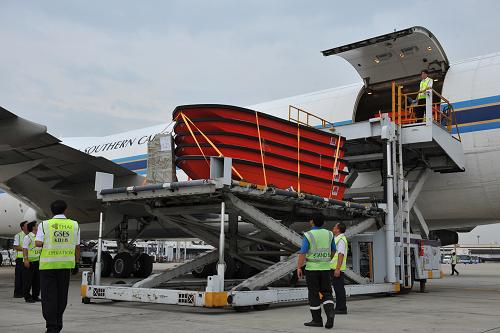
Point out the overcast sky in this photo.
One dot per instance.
(86, 68)
(92, 68)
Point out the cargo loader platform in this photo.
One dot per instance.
(260, 226)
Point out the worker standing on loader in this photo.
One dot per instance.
(339, 265)
(425, 84)
(316, 252)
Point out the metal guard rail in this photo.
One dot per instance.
(403, 110)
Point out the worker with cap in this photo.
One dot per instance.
(338, 266)
(425, 84)
(316, 252)
(18, 246)
(454, 262)
(31, 274)
(59, 239)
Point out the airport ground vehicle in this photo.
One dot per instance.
(397, 257)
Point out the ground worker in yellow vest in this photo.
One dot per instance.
(31, 274)
(316, 252)
(18, 246)
(425, 84)
(59, 239)
(338, 266)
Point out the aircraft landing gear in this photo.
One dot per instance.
(139, 264)
(106, 264)
(129, 260)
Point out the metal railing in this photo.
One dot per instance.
(406, 106)
(303, 117)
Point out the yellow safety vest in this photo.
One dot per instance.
(33, 251)
(320, 249)
(336, 256)
(20, 236)
(424, 84)
(58, 251)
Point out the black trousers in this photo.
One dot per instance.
(18, 282)
(339, 288)
(319, 282)
(54, 284)
(453, 269)
(420, 110)
(31, 281)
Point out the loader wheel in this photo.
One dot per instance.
(242, 308)
(261, 307)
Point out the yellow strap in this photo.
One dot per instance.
(298, 157)
(260, 145)
(335, 168)
(186, 120)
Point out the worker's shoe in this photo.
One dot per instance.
(316, 321)
(30, 300)
(18, 296)
(329, 322)
(341, 311)
(329, 308)
(313, 323)
(37, 299)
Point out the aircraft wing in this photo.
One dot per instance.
(37, 168)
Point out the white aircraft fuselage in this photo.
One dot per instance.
(458, 200)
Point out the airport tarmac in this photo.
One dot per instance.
(468, 303)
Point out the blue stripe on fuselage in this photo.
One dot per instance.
(470, 113)
(136, 163)
(131, 158)
(476, 102)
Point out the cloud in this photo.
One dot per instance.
(94, 69)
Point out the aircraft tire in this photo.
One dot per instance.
(122, 265)
(144, 266)
(106, 264)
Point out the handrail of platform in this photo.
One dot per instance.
(292, 109)
(403, 110)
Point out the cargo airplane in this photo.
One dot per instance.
(36, 167)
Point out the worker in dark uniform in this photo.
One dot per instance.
(31, 274)
(59, 239)
(316, 252)
(18, 246)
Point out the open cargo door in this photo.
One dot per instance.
(394, 56)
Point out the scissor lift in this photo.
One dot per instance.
(396, 256)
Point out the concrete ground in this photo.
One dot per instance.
(468, 303)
